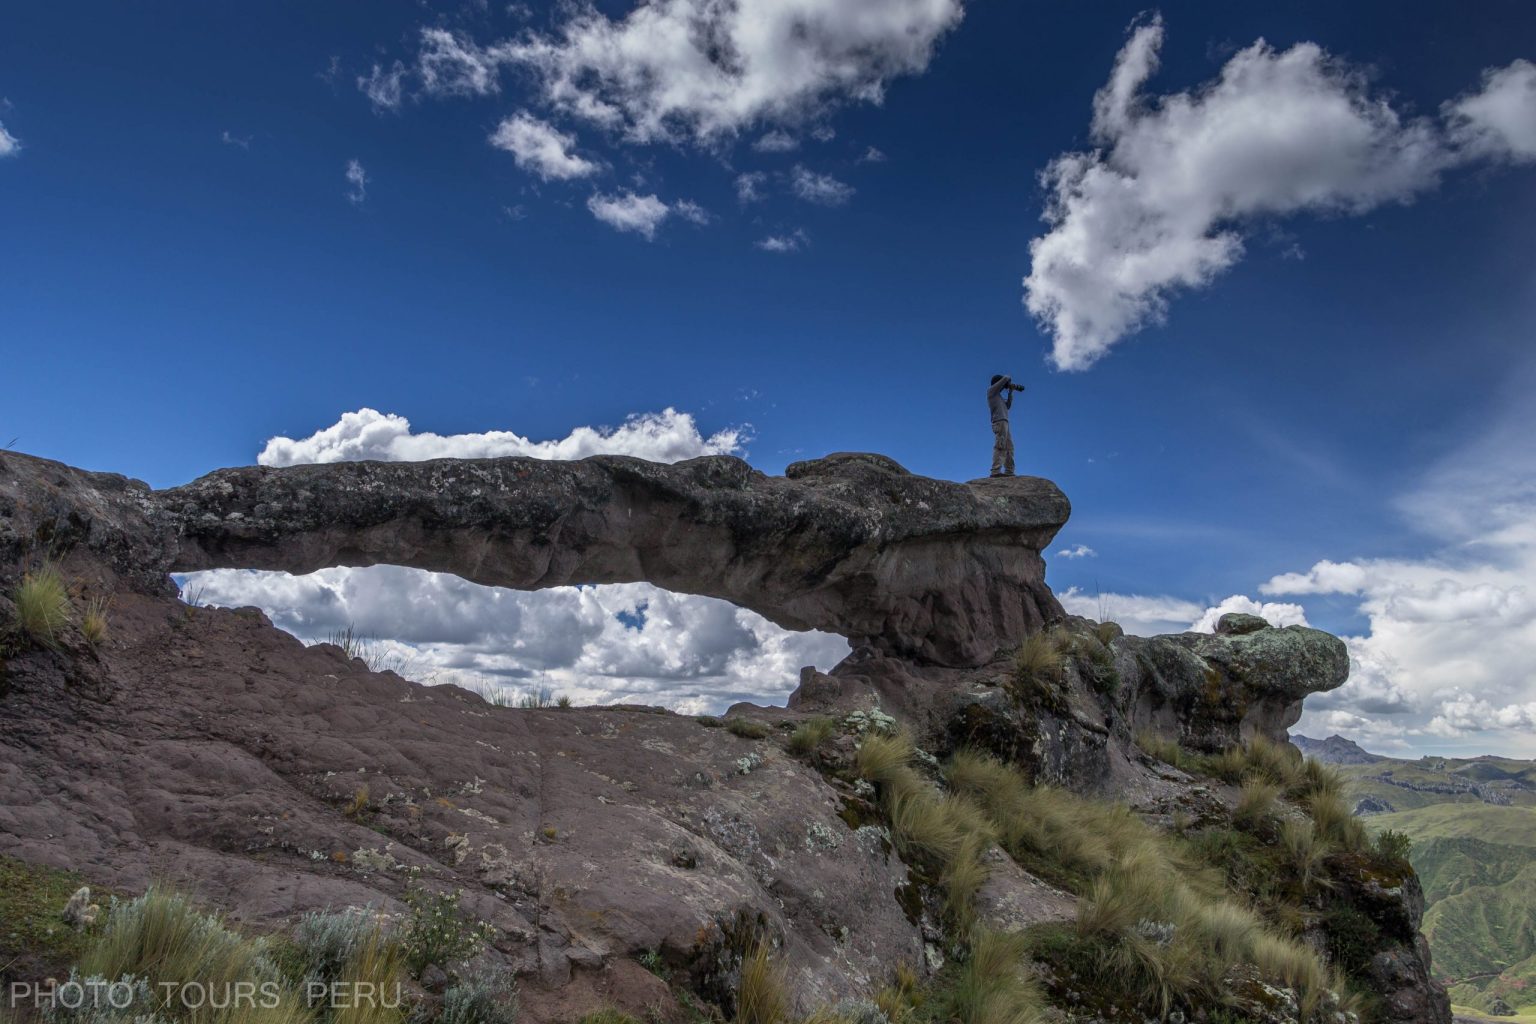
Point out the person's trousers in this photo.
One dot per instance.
(1002, 449)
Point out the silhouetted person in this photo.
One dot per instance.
(1000, 400)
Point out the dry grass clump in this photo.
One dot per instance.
(1306, 851)
(993, 985)
(746, 728)
(42, 604)
(1153, 923)
(811, 735)
(945, 834)
(1039, 660)
(1256, 802)
(164, 939)
(762, 996)
(1165, 749)
(93, 624)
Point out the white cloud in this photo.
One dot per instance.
(872, 156)
(667, 436)
(691, 211)
(243, 141)
(541, 148)
(1077, 551)
(792, 242)
(627, 211)
(1499, 120)
(631, 642)
(9, 144)
(749, 186)
(1274, 612)
(384, 87)
(701, 70)
(357, 183)
(819, 188)
(619, 642)
(776, 141)
(1451, 636)
(1159, 205)
(451, 64)
(1138, 614)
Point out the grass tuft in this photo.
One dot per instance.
(93, 625)
(42, 605)
(761, 996)
(811, 735)
(993, 985)
(746, 728)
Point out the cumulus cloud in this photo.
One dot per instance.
(1451, 636)
(1159, 205)
(1077, 551)
(819, 188)
(384, 87)
(1274, 612)
(1499, 120)
(541, 148)
(698, 70)
(357, 183)
(605, 644)
(9, 144)
(667, 436)
(230, 139)
(620, 642)
(627, 211)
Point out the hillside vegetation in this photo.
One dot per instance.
(1472, 823)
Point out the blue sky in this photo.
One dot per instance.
(189, 272)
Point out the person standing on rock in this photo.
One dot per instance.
(1000, 400)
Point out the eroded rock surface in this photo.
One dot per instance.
(927, 569)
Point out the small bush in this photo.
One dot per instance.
(709, 721)
(608, 1015)
(1107, 632)
(327, 942)
(564, 701)
(162, 938)
(1393, 847)
(42, 604)
(436, 933)
(761, 997)
(811, 735)
(746, 728)
(485, 997)
(537, 700)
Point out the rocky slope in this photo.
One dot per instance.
(205, 746)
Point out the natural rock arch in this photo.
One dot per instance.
(854, 544)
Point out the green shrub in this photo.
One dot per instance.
(1353, 938)
(485, 997)
(811, 735)
(709, 721)
(1393, 847)
(42, 604)
(746, 728)
(1305, 850)
(436, 932)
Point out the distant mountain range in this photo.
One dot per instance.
(1473, 826)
